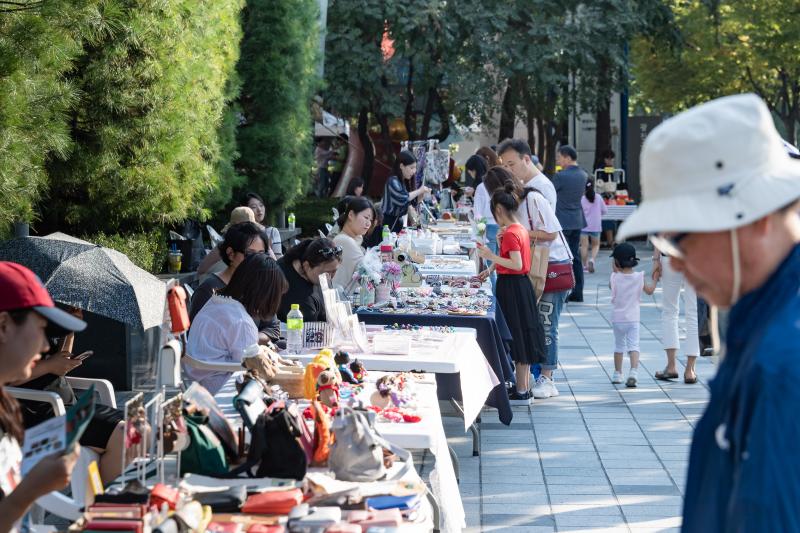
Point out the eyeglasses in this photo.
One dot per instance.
(329, 253)
(248, 253)
(669, 245)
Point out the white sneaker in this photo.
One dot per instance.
(632, 378)
(616, 377)
(543, 388)
(553, 389)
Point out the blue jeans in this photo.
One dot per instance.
(491, 242)
(550, 306)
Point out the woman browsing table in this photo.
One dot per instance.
(397, 195)
(303, 265)
(356, 220)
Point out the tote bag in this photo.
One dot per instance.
(540, 256)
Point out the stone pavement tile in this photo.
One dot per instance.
(573, 479)
(585, 510)
(501, 478)
(598, 489)
(622, 462)
(530, 510)
(654, 524)
(572, 471)
(516, 495)
(559, 447)
(646, 490)
(593, 500)
(510, 520)
(519, 529)
(590, 521)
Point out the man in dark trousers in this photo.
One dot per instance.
(570, 184)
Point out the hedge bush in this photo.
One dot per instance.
(148, 251)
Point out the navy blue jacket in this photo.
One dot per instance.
(744, 468)
(570, 186)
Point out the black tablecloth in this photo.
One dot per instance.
(493, 334)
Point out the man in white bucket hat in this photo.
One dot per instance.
(721, 199)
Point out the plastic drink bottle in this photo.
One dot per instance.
(294, 329)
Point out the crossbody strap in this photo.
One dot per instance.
(530, 220)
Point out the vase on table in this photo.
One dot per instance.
(382, 293)
(367, 294)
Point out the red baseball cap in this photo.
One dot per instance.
(20, 288)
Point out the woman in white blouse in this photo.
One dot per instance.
(226, 325)
(356, 220)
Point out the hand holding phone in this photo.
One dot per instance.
(82, 356)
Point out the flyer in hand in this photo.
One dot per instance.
(59, 434)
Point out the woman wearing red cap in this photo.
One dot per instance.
(25, 310)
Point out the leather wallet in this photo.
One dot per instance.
(384, 518)
(162, 494)
(225, 501)
(273, 502)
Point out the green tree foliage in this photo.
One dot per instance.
(36, 49)
(726, 47)
(155, 78)
(278, 70)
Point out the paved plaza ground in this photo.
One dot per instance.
(599, 457)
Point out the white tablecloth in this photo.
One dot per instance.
(459, 352)
(619, 212)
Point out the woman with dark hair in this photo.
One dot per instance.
(476, 167)
(355, 188)
(226, 325)
(302, 265)
(397, 194)
(26, 309)
(256, 203)
(491, 157)
(241, 240)
(515, 294)
(593, 210)
(539, 219)
(356, 220)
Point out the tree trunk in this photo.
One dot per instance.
(430, 101)
(602, 137)
(366, 143)
(386, 138)
(550, 148)
(409, 115)
(540, 127)
(508, 113)
(530, 125)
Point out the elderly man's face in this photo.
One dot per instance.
(707, 264)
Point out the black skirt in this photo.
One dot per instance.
(518, 302)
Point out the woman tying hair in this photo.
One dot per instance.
(226, 325)
(302, 265)
(396, 196)
(514, 291)
(357, 219)
(25, 311)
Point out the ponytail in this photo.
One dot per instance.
(11, 417)
(507, 198)
(589, 193)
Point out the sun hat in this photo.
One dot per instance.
(238, 215)
(718, 166)
(22, 289)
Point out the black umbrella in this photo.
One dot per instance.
(91, 277)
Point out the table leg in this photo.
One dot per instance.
(435, 507)
(456, 466)
(476, 435)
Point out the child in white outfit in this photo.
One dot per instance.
(626, 293)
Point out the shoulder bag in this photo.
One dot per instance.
(540, 256)
(560, 276)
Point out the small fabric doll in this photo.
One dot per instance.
(387, 389)
(358, 370)
(328, 388)
(342, 362)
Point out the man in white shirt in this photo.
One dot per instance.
(517, 158)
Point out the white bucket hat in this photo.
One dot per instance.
(718, 166)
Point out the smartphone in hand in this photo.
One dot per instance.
(83, 356)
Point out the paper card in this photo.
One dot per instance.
(324, 282)
(58, 434)
(391, 344)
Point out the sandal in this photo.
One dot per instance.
(663, 375)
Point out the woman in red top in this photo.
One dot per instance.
(514, 291)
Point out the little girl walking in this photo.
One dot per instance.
(514, 292)
(626, 293)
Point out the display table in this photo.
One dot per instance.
(426, 434)
(619, 212)
(455, 353)
(491, 336)
(448, 265)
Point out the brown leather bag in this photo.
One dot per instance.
(540, 255)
